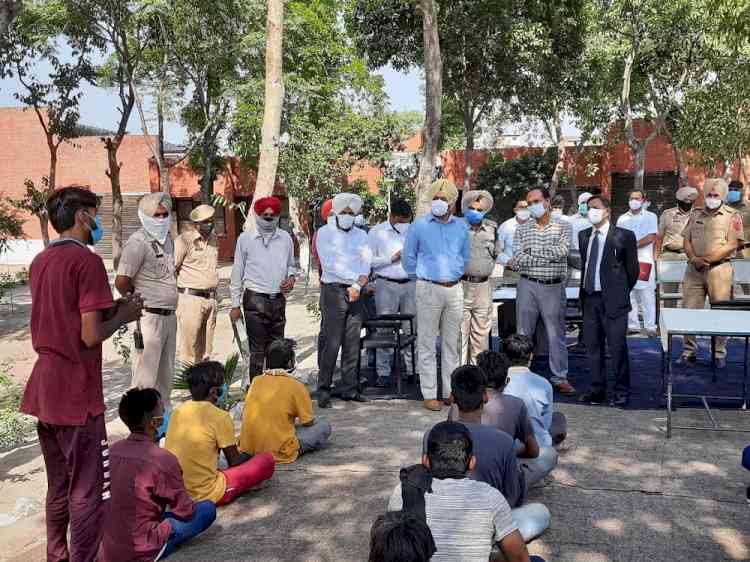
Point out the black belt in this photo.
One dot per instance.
(336, 285)
(680, 251)
(555, 281)
(269, 296)
(159, 311)
(718, 263)
(206, 294)
(447, 284)
(392, 280)
(474, 279)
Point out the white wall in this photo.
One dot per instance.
(21, 252)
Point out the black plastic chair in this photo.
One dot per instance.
(377, 336)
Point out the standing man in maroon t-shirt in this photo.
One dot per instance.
(72, 313)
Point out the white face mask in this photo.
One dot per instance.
(401, 227)
(158, 229)
(713, 203)
(556, 214)
(345, 221)
(523, 214)
(439, 208)
(595, 216)
(537, 210)
(635, 204)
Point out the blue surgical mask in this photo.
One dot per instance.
(583, 209)
(223, 394)
(734, 197)
(473, 216)
(98, 231)
(161, 431)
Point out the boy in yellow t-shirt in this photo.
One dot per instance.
(274, 402)
(198, 430)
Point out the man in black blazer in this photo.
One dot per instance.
(609, 257)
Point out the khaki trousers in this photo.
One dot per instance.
(196, 322)
(668, 255)
(153, 367)
(477, 321)
(716, 283)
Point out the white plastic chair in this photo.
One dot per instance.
(668, 272)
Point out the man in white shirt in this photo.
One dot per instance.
(345, 258)
(262, 276)
(505, 235)
(645, 226)
(395, 292)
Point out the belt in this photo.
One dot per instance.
(447, 284)
(206, 294)
(336, 285)
(718, 263)
(392, 280)
(159, 311)
(680, 251)
(543, 281)
(474, 279)
(269, 296)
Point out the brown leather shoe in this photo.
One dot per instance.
(565, 388)
(433, 405)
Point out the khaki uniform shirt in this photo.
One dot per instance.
(485, 248)
(672, 223)
(744, 210)
(196, 261)
(151, 267)
(708, 232)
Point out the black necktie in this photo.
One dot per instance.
(589, 284)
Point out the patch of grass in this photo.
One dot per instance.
(14, 426)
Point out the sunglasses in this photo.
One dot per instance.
(161, 215)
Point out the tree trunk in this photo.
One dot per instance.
(208, 160)
(469, 151)
(114, 180)
(679, 159)
(165, 179)
(640, 166)
(728, 170)
(274, 101)
(51, 186)
(433, 66)
(560, 165)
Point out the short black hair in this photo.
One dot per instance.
(401, 208)
(495, 366)
(606, 203)
(558, 201)
(636, 190)
(518, 349)
(449, 448)
(64, 203)
(137, 407)
(468, 384)
(401, 536)
(544, 190)
(280, 353)
(201, 378)
(734, 184)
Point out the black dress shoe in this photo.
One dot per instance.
(356, 398)
(324, 400)
(620, 401)
(593, 398)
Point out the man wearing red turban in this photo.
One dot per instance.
(262, 276)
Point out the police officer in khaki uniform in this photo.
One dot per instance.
(196, 258)
(712, 236)
(147, 267)
(672, 223)
(485, 248)
(739, 203)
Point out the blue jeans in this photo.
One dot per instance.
(183, 531)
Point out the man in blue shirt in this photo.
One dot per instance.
(436, 252)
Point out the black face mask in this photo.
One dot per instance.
(684, 206)
(205, 228)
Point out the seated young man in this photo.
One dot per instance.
(399, 536)
(274, 401)
(198, 431)
(466, 516)
(144, 480)
(494, 450)
(550, 427)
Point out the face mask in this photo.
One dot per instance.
(345, 222)
(158, 229)
(556, 214)
(206, 228)
(635, 204)
(713, 203)
(161, 431)
(223, 394)
(474, 217)
(265, 225)
(98, 231)
(734, 196)
(401, 227)
(583, 208)
(523, 214)
(439, 208)
(685, 206)
(359, 220)
(595, 216)
(537, 210)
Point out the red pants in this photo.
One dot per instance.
(244, 476)
(77, 487)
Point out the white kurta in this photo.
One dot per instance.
(642, 224)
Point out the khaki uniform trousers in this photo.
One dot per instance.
(196, 319)
(153, 367)
(477, 321)
(716, 283)
(668, 255)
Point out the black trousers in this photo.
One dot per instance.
(598, 329)
(340, 327)
(265, 319)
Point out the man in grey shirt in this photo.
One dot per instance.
(262, 276)
(466, 517)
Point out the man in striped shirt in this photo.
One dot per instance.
(540, 255)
